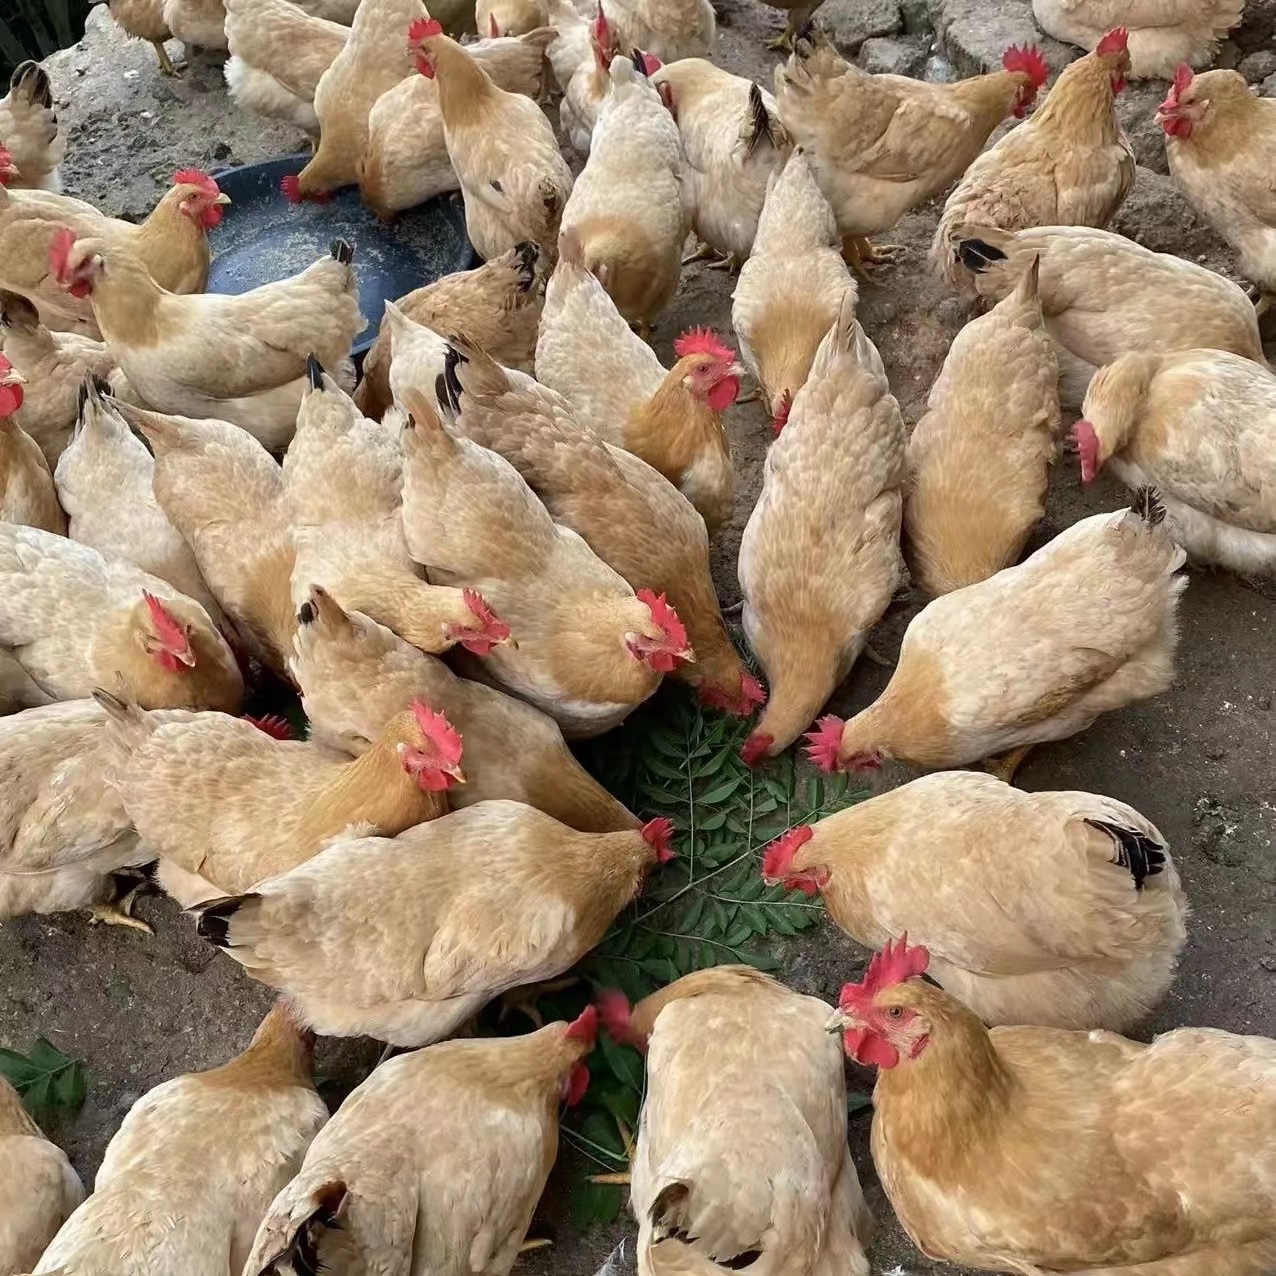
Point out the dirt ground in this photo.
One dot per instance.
(1197, 760)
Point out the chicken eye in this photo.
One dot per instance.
(895, 1012)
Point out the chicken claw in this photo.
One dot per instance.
(861, 254)
(1004, 765)
(523, 1000)
(527, 1246)
(165, 62)
(118, 914)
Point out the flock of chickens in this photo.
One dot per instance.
(460, 568)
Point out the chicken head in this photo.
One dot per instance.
(199, 197)
(879, 1026)
(664, 642)
(430, 748)
(11, 392)
(708, 368)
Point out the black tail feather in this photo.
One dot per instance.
(1147, 505)
(529, 253)
(447, 385)
(302, 1255)
(639, 61)
(1135, 851)
(976, 255)
(341, 251)
(314, 372)
(214, 918)
(760, 123)
(32, 80)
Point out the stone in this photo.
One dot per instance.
(973, 34)
(1157, 216)
(1268, 88)
(850, 22)
(1258, 27)
(1257, 66)
(901, 56)
(940, 70)
(918, 16)
(1136, 109)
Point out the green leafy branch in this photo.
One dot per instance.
(50, 1083)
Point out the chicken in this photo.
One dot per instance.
(741, 1158)
(1085, 625)
(342, 481)
(240, 359)
(673, 419)
(66, 841)
(581, 60)
(224, 494)
(405, 939)
(1219, 141)
(27, 495)
(196, 1163)
(514, 179)
(29, 129)
(791, 288)
(1163, 33)
(371, 62)
(226, 806)
(1061, 909)
(819, 559)
(497, 18)
(104, 483)
(197, 24)
(278, 54)
(589, 649)
(171, 244)
(1103, 296)
(1069, 165)
(75, 620)
(666, 29)
(632, 518)
(405, 166)
(1201, 426)
(880, 145)
(355, 674)
(38, 1187)
(144, 20)
(733, 142)
(496, 306)
(55, 365)
(378, 1189)
(978, 459)
(631, 206)
(1095, 1154)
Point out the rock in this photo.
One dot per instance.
(940, 70)
(973, 34)
(1228, 56)
(903, 56)
(918, 16)
(1158, 217)
(850, 22)
(1258, 66)
(1258, 27)
(1269, 87)
(1136, 109)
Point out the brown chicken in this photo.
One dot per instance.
(199, 24)
(581, 60)
(502, 147)
(355, 675)
(29, 129)
(342, 480)
(278, 54)
(377, 1191)
(406, 160)
(371, 61)
(226, 806)
(1103, 296)
(240, 358)
(1069, 165)
(1220, 140)
(880, 145)
(497, 306)
(819, 559)
(38, 1187)
(75, 620)
(1201, 426)
(631, 206)
(225, 495)
(171, 244)
(791, 288)
(671, 419)
(55, 365)
(741, 1158)
(104, 481)
(1033, 1150)
(1085, 625)
(27, 493)
(978, 459)
(404, 939)
(667, 29)
(633, 519)
(589, 650)
(197, 1162)
(144, 20)
(1061, 909)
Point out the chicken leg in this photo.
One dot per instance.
(118, 913)
(627, 1142)
(1004, 765)
(165, 62)
(860, 254)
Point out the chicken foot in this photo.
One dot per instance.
(1004, 765)
(165, 62)
(119, 913)
(861, 254)
(523, 1000)
(716, 260)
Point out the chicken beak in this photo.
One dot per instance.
(186, 656)
(13, 377)
(222, 200)
(737, 370)
(838, 1024)
(458, 776)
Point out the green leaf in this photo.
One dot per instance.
(596, 1204)
(50, 1082)
(720, 792)
(755, 918)
(857, 1101)
(738, 935)
(622, 1061)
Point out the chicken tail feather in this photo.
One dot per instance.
(760, 126)
(447, 385)
(300, 1255)
(18, 313)
(977, 255)
(31, 81)
(213, 919)
(1141, 855)
(341, 251)
(1147, 505)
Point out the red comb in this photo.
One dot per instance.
(584, 1027)
(666, 619)
(1116, 41)
(777, 859)
(275, 725)
(290, 184)
(439, 731)
(752, 693)
(651, 64)
(755, 747)
(702, 341)
(616, 1015)
(825, 742)
(1028, 59)
(423, 29)
(196, 177)
(167, 629)
(1183, 77)
(1087, 441)
(893, 965)
(785, 406)
(493, 27)
(577, 1084)
(493, 628)
(656, 833)
(7, 169)
(602, 30)
(60, 253)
